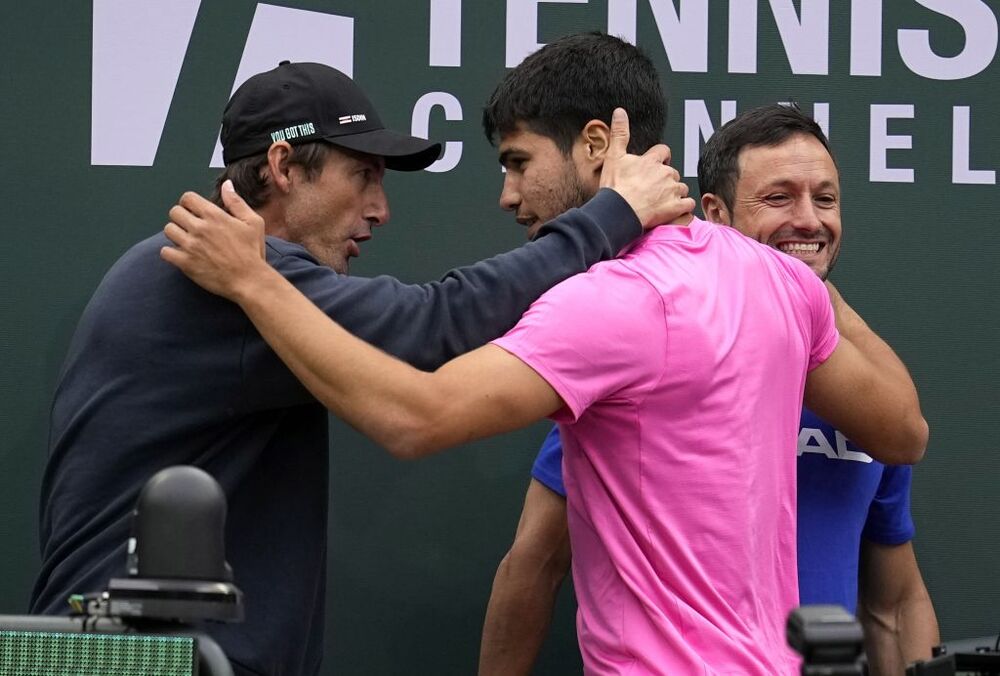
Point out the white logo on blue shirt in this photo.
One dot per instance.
(812, 440)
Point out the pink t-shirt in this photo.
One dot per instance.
(682, 367)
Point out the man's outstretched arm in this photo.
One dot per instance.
(526, 585)
(409, 412)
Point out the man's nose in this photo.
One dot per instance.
(807, 216)
(378, 208)
(510, 198)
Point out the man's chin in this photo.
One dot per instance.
(340, 265)
(823, 269)
(826, 268)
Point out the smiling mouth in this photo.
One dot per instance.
(800, 248)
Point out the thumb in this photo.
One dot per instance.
(234, 203)
(619, 133)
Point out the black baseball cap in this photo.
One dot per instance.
(307, 102)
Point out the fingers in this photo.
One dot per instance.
(172, 255)
(685, 204)
(241, 210)
(660, 153)
(619, 133)
(196, 204)
(177, 235)
(183, 218)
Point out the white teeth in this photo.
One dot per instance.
(812, 247)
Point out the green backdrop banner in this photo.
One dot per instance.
(110, 109)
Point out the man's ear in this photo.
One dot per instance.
(595, 138)
(278, 156)
(715, 209)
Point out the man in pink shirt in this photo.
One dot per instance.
(681, 367)
(677, 374)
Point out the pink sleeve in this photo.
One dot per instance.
(824, 329)
(592, 337)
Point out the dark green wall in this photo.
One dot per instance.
(414, 546)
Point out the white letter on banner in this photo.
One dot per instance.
(684, 34)
(960, 171)
(420, 126)
(446, 33)
(279, 33)
(821, 113)
(881, 141)
(806, 41)
(138, 51)
(697, 126)
(742, 36)
(866, 37)
(980, 26)
(522, 28)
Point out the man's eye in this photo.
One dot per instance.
(827, 200)
(777, 197)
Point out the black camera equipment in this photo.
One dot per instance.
(143, 623)
(829, 639)
(971, 656)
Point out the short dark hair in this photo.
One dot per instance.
(576, 79)
(250, 180)
(770, 125)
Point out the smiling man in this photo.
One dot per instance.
(161, 373)
(770, 174)
(788, 193)
(676, 373)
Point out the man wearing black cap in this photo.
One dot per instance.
(160, 372)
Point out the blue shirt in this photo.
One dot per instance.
(843, 495)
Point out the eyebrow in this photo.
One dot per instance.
(784, 183)
(505, 155)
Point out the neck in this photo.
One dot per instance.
(274, 221)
